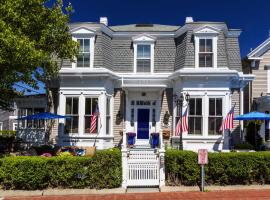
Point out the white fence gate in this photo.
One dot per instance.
(143, 168)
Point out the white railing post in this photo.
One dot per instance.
(161, 167)
(124, 160)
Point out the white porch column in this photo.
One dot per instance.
(161, 167)
(102, 111)
(124, 167)
(81, 114)
(61, 111)
(242, 112)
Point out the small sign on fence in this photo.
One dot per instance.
(202, 157)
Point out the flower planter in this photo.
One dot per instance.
(131, 138)
(154, 140)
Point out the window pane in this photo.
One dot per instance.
(108, 106)
(202, 45)
(143, 51)
(87, 106)
(86, 57)
(191, 121)
(208, 60)
(212, 107)
(86, 45)
(146, 51)
(96, 128)
(74, 124)
(211, 125)
(68, 105)
(75, 106)
(219, 107)
(68, 125)
(81, 44)
(218, 124)
(198, 125)
(143, 65)
(80, 60)
(209, 45)
(108, 119)
(202, 60)
(87, 124)
(198, 106)
(192, 106)
(94, 105)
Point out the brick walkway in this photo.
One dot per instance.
(237, 194)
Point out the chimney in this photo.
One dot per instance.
(189, 20)
(103, 20)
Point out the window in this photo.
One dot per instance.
(22, 112)
(205, 53)
(177, 116)
(143, 58)
(72, 108)
(91, 106)
(195, 116)
(215, 116)
(83, 59)
(108, 116)
(132, 117)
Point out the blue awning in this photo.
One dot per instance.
(253, 116)
(43, 115)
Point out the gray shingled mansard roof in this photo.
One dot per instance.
(144, 27)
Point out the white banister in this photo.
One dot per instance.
(124, 160)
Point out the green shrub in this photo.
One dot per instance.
(7, 133)
(223, 168)
(31, 173)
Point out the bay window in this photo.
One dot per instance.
(91, 107)
(195, 116)
(72, 108)
(215, 116)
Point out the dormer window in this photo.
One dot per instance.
(143, 58)
(86, 39)
(83, 59)
(206, 47)
(206, 53)
(143, 53)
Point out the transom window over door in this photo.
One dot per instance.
(195, 116)
(83, 59)
(215, 116)
(143, 58)
(72, 108)
(205, 53)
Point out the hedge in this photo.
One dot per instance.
(32, 173)
(223, 168)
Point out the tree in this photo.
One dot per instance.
(32, 35)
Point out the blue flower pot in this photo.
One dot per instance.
(131, 138)
(154, 140)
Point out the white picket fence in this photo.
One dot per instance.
(142, 168)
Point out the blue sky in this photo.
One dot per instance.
(252, 16)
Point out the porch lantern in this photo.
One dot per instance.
(179, 103)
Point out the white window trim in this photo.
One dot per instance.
(92, 43)
(197, 50)
(144, 39)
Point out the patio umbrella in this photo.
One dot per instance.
(43, 115)
(254, 116)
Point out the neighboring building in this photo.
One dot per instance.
(23, 106)
(132, 73)
(257, 93)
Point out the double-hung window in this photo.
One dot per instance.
(72, 108)
(91, 109)
(143, 58)
(83, 59)
(215, 116)
(205, 52)
(108, 115)
(195, 116)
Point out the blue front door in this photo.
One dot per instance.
(143, 124)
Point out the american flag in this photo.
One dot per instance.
(228, 121)
(93, 120)
(182, 124)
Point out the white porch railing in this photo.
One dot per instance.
(143, 166)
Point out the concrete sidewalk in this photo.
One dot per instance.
(62, 192)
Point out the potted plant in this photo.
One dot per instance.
(131, 138)
(154, 140)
